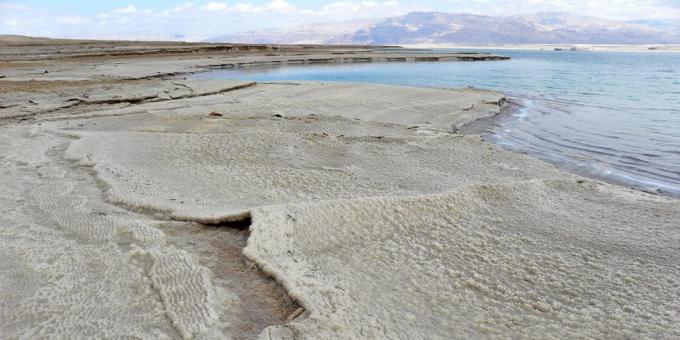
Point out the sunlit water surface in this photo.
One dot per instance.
(611, 115)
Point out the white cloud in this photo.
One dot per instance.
(276, 6)
(187, 6)
(215, 6)
(279, 6)
(73, 20)
(243, 8)
(8, 6)
(10, 22)
(347, 7)
(348, 10)
(125, 10)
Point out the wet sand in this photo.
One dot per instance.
(135, 203)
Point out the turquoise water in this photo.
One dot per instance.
(606, 114)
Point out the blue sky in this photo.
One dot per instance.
(196, 20)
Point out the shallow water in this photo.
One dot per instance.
(608, 114)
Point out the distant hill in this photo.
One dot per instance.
(307, 34)
(668, 25)
(22, 39)
(461, 28)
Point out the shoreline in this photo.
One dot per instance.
(485, 126)
(481, 125)
(242, 209)
(141, 60)
(656, 48)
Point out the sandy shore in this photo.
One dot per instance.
(136, 203)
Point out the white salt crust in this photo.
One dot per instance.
(389, 228)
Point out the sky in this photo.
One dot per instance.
(198, 20)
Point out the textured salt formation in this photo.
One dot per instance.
(441, 109)
(259, 301)
(496, 260)
(114, 95)
(73, 266)
(390, 228)
(214, 177)
(501, 253)
(268, 150)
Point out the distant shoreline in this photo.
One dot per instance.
(656, 48)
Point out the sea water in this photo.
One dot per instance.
(612, 115)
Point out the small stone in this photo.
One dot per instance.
(215, 114)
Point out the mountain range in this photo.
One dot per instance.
(463, 28)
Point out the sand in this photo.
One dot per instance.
(133, 205)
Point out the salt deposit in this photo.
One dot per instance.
(366, 206)
(492, 261)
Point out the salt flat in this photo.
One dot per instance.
(121, 204)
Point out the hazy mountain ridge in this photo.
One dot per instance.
(323, 33)
(462, 28)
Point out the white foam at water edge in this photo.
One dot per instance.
(525, 106)
(644, 185)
